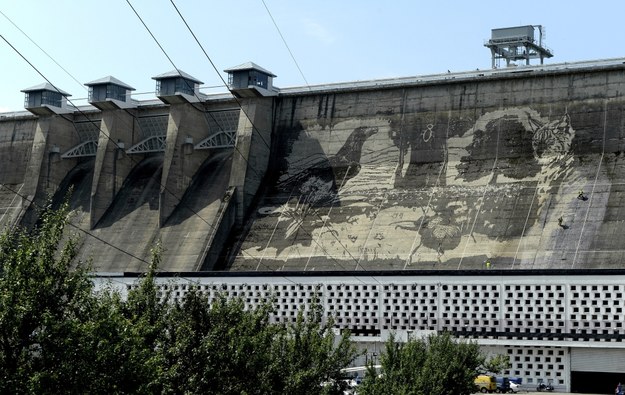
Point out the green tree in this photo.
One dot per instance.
(42, 305)
(497, 364)
(218, 348)
(224, 348)
(57, 335)
(435, 365)
(144, 320)
(311, 356)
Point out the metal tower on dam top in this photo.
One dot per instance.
(518, 43)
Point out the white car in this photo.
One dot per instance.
(514, 387)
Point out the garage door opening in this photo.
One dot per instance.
(595, 382)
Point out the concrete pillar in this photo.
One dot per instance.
(187, 126)
(45, 169)
(16, 143)
(112, 165)
(39, 160)
(251, 156)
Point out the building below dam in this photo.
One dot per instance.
(489, 203)
(566, 327)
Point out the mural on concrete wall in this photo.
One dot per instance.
(406, 191)
(490, 168)
(316, 175)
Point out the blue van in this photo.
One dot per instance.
(503, 385)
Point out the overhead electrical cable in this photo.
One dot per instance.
(17, 193)
(116, 144)
(253, 126)
(225, 84)
(212, 64)
(101, 131)
(286, 45)
(42, 50)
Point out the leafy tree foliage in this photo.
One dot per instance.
(219, 348)
(223, 348)
(497, 364)
(435, 365)
(58, 336)
(309, 355)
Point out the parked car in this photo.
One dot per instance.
(514, 387)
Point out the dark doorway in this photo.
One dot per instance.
(595, 382)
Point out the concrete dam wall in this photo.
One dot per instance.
(460, 171)
(451, 174)
(125, 201)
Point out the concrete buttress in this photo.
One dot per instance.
(251, 155)
(181, 161)
(112, 165)
(45, 169)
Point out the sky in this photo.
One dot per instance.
(73, 42)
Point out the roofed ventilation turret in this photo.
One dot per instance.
(177, 86)
(46, 99)
(251, 80)
(109, 93)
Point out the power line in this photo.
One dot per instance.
(82, 113)
(77, 227)
(264, 141)
(100, 239)
(157, 43)
(179, 73)
(195, 213)
(70, 74)
(29, 63)
(286, 45)
(253, 128)
(42, 50)
(191, 88)
(214, 68)
(101, 131)
(116, 144)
